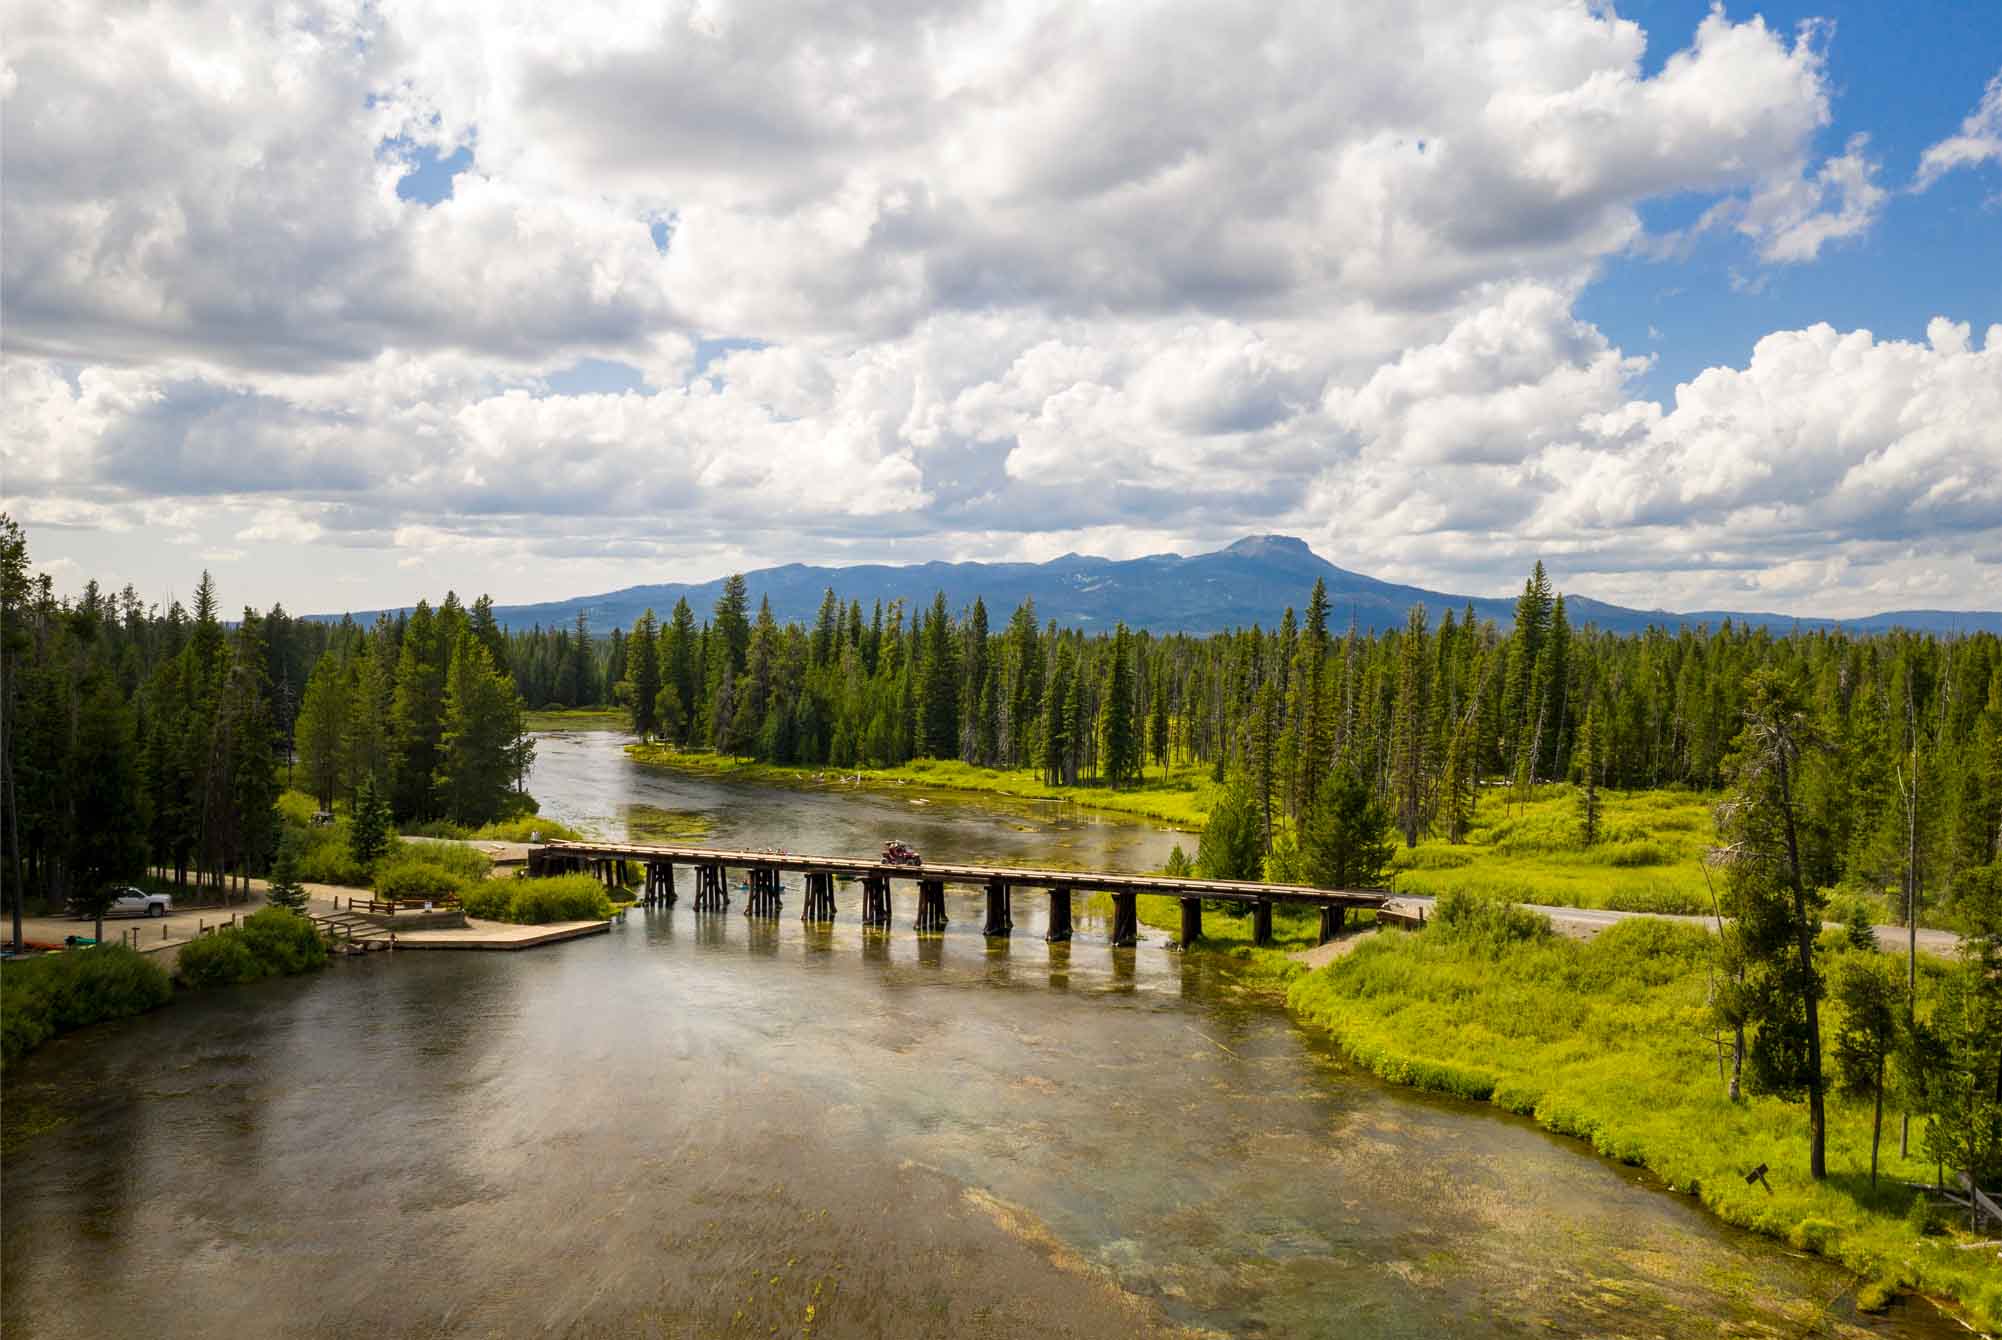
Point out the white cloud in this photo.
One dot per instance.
(1017, 277)
(1979, 141)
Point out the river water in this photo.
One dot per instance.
(706, 1127)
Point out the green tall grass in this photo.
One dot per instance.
(1648, 858)
(1180, 796)
(1608, 1040)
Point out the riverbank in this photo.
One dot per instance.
(1179, 797)
(1602, 1040)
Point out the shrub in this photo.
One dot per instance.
(41, 997)
(536, 902)
(1469, 917)
(1656, 898)
(271, 943)
(217, 960)
(417, 880)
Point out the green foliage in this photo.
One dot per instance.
(536, 902)
(416, 880)
(271, 943)
(1233, 843)
(1607, 1040)
(1491, 923)
(369, 832)
(521, 828)
(42, 997)
(1344, 841)
(285, 890)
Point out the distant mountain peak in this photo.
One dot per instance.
(1252, 581)
(1264, 546)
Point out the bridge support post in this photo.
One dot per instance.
(1125, 920)
(711, 893)
(1332, 917)
(931, 905)
(1261, 922)
(875, 900)
(999, 920)
(667, 884)
(819, 904)
(766, 895)
(1060, 914)
(1192, 923)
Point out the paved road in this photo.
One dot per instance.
(1585, 922)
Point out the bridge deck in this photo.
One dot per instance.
(951, 873)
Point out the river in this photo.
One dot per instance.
(708, 1127)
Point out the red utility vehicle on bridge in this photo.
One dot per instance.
(898, 853)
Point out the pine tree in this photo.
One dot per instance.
(1158, 737)
(643, 669)
(416, 717)
(1777, 910)
(939, 685)
(369, 832)
(1345, 842)
(285, 890)
(1410, 734)
(482, 722)
(1588, 785)
(321, 729)
(1119, 741)
(1456, 789)
(680, 677)
(1055, 734)
(1233, 841)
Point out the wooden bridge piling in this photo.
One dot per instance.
(1060, 914)
(875, 900)
(1261, 923)
(1125, 920)
(1192, 923)
(931, 905)
(1000, 917)
(1331, 922)
(819, 901)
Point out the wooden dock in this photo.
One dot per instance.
(763, 871)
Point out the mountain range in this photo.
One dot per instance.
(1252, 581)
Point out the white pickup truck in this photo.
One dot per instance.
(131, 902)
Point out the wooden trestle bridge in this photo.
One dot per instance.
(764, 871)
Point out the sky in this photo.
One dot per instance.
(354, 303)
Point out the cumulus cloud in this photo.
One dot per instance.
(1005, 277)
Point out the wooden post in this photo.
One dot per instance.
(1261, 922)
(1332, 915)
(1060, 914)
(931, 905)
(998, 922)
(1192, 922)
(875, 900)
(1125, 920)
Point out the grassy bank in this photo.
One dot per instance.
(1605, 1040)
(1179, 797)
(579, 718)
(1648, 857)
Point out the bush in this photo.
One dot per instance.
(418, 881)
(41, 997)
(537, 902)
(271, 943)
(1469, 917)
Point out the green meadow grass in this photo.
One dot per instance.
(1607, 1040)
(1648, 857)
(1181, 797)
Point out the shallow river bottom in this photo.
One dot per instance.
(706, 1126)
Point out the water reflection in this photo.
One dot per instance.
(709, 1124)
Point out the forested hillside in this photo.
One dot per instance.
(132, 736)
(135, 735)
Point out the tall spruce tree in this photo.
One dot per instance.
(1767, 892)
(643, 670)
